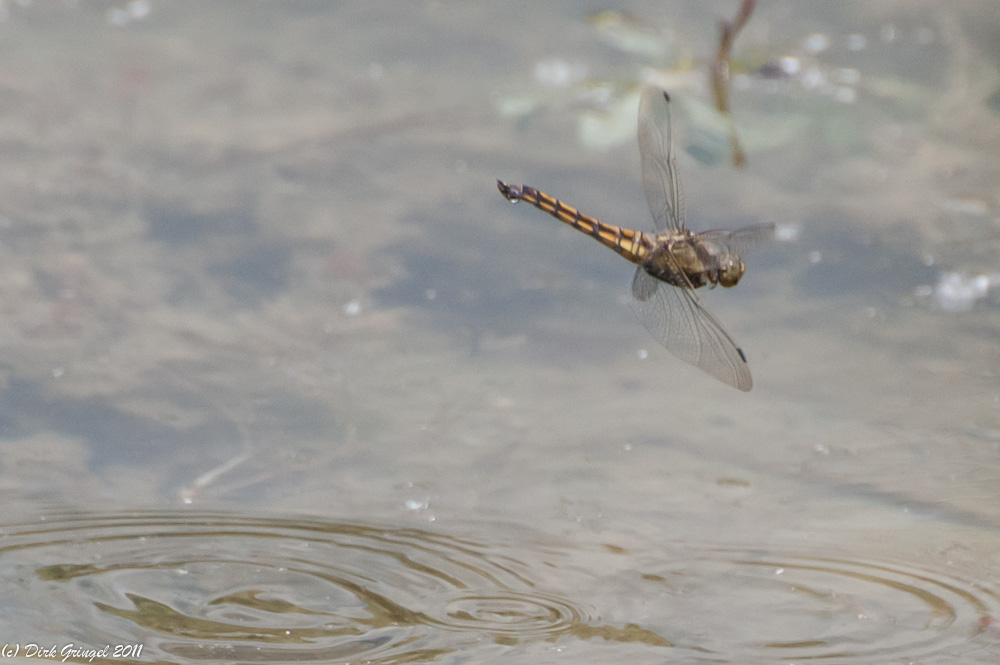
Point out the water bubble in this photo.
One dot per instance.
(856, 42)
(956, 292)
(816, 43)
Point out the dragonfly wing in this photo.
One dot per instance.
(740, 240)
(644, 285)
(659, 163)
(676, 320)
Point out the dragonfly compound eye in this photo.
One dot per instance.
(731, 273)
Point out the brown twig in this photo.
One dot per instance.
(720, 73)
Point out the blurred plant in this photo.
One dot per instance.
(719, 74)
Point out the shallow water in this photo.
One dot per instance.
(285, 378)
(194, 585)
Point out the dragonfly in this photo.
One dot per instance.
(673, 262)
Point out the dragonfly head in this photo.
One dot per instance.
(730, 271)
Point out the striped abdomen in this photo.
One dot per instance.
(633, 245)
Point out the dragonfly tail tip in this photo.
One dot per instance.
(510, 193)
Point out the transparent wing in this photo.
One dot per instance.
(659, 163)
(676, 320)
(739, 241)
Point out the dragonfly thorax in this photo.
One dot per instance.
(682, 260)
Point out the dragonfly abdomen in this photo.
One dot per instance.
(633, 245)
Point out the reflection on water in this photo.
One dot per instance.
(195, 586)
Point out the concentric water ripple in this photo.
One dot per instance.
(512, 613)
(191, 586)
(206, 587)
(737, 606)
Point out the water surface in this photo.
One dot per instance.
(254, 266)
